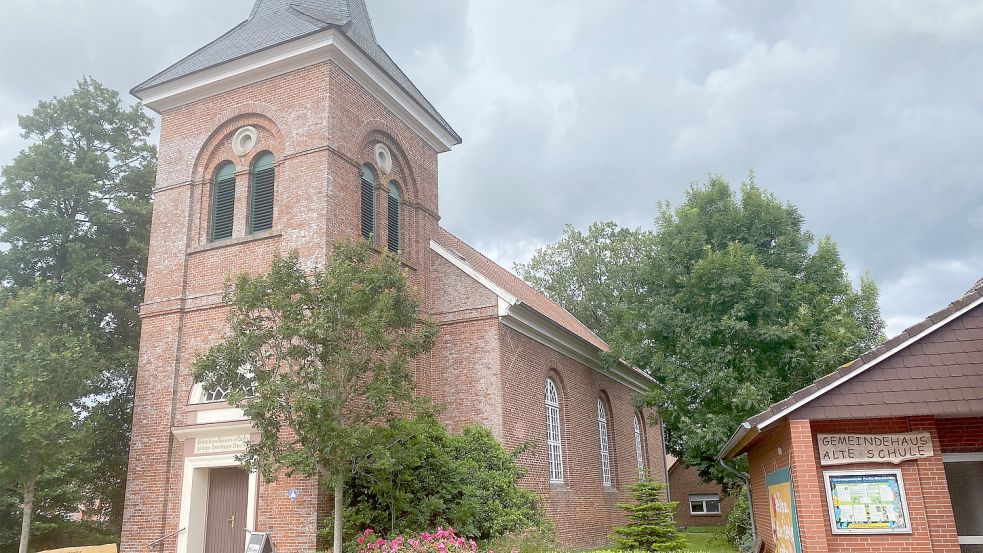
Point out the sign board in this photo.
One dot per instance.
(867, 502)
(221, 443)
(784, 518)
(843, 449)
(108, 548)
(259, 542)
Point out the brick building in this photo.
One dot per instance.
(289, 132)
(884, 454)
(699, 503)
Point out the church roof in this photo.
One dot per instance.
(275, 22)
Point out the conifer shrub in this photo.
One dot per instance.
(651, 526)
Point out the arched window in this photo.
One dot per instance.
(223, 201)
(602, 432)
(368, 201)
(393, 214)
(553, 432)
(261, 193)
(639, 455)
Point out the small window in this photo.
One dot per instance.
(602, 432)
(639, 452)
(368, 202)
(393, 214)
(553, 432)
(704, 504)
(261, 194)
(223, 201)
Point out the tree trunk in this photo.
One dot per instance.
(339, 492)
(27, 509)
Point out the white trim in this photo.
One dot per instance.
(865, 366)
(206, 416)
(970, 540)
(328, 45)
(962, 457)
(182, 433)
(194, 496)
(702, 499)
(901, 491)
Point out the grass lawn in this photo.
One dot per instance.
(707, 539)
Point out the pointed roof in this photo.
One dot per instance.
(275, 22)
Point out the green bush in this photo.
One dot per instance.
(738, 529)
(530, 540)
(651, 526)
(430, 478)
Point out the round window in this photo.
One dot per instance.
(244, 140)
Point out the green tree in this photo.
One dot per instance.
(325, 355)
(424, 477)
(651, 526)
(75, 212)
(592, 275)
(737, 307)
(49, 367)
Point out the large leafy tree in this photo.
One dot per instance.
(75, 213)
(738, 307)
(49, 366)
(325, 355)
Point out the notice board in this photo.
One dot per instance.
(784, 519)
(867, 502)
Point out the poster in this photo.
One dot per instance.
(867, 502)
(784, 519)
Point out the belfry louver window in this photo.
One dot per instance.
(368, 202)
(223, 201)
(261, 193)
(393, 214)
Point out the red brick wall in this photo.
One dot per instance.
(771, 453)
(685, 481)
(584, 510)
(960, 435)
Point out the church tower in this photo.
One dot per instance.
(292, 131)
(289, 132)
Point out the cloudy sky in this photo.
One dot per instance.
(866, 115)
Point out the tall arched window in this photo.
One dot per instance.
(639, 454)
(393, 213)
(368, 201)
(553, 432)
(261, 193)
(223, 201)
(602, 432)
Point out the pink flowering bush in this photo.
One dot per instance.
(442, 541)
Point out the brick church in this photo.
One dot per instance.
(291, 131)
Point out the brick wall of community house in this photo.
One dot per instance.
(768, 455)
(584, 510)
(960, 435)
(685, 481)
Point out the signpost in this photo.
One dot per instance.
(259, 542)
(784, 519)
(867, 502)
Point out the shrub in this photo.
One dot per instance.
(651, 526)
(738, 529)
(429, 478)
(442, 541)
(531, 540)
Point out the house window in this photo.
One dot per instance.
(261, 194)
(639, 453)
(393, 209)
(553, 432)
(223, 201)
(704, 504)
(602, 431)
(368, 202)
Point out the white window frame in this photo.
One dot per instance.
(554, 442)
(702, 499)
(639, 451)
(965, 458)
(602, 433)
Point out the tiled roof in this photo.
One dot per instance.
(274, 22)
(821, 384)
(518, 288)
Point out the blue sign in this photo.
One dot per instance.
(293, 494)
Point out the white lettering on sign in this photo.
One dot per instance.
(843, 449)
(221, 443)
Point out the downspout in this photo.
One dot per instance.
(665, 465)
(747, 486)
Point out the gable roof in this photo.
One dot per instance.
(275, 22)
(753, 426)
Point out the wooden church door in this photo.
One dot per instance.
(225, 523)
